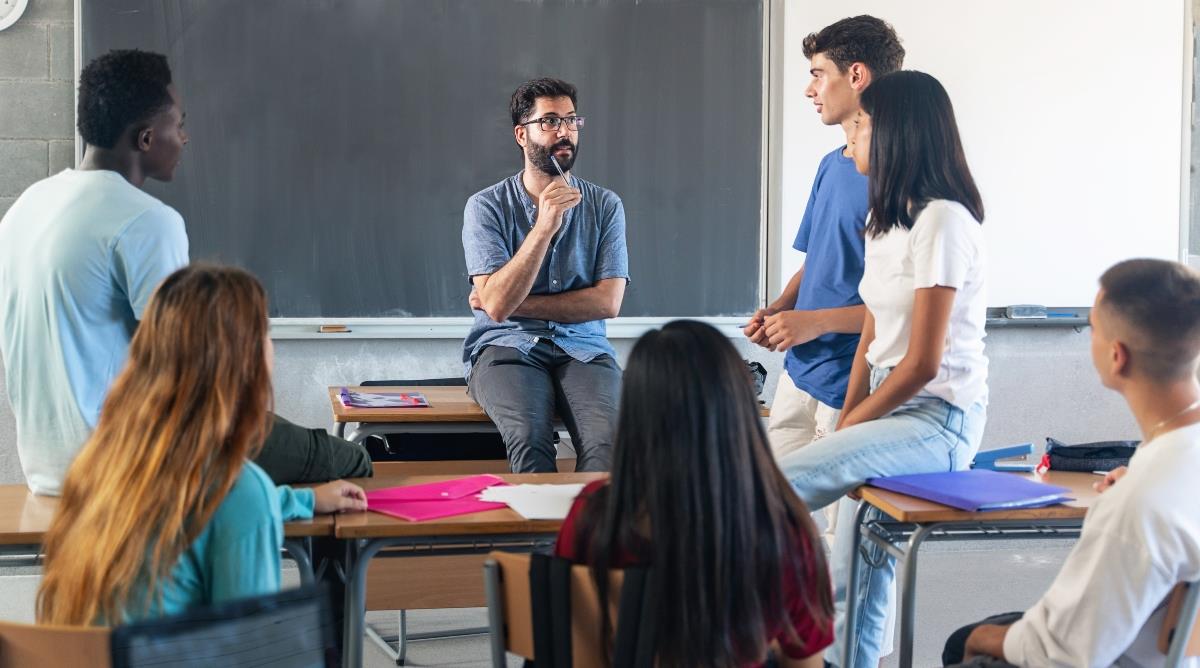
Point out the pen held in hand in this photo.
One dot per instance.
(560, 171)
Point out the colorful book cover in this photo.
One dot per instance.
(355, 399)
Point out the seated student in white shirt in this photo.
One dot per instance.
(917, 395)
(1142, 536)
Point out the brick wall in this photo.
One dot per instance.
(37, 98)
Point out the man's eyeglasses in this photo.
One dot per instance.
(552, 123)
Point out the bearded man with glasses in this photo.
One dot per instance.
(546, 256)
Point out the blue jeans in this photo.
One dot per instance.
(924, 435)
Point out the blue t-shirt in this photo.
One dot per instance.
(832, 238)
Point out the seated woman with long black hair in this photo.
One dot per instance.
(695, 494)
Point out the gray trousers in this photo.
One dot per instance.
(293, 454)
(522, 393)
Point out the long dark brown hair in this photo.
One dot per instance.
(184, 415)
(916, 154)
(696, 493)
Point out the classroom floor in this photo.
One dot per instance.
(960, 583)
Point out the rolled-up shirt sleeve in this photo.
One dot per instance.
(484, 245)
(612, 255)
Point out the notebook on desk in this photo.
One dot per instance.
(975, 490)
(353, 399)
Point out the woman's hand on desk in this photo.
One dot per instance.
(338, 496)
(1110, 478)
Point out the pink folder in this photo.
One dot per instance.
(436, 499)
(436, 491)
(416, 511)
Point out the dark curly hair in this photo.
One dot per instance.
(524, 96)
(120, 89)
(858, 39)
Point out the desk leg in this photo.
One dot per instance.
(848, 635)
(340, 430)
(356, 600)
(298, 550)
(908, 595)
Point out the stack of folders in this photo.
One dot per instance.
(436, 499)
(976, 490)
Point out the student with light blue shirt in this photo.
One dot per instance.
(80, 254)
(545, 252)
(162, 510)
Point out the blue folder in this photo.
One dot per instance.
(975, 490)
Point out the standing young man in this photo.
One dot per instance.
(546, 254)
(1142, 536)
(818, 317)
(80, 254)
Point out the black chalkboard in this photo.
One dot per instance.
(334, 142)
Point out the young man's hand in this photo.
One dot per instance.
(338, 496)
(791, 328)
(756, 329)
(554, 201)
(986, 640)
(1110, 478)
(474, 301)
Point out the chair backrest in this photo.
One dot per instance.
(23, 645)
(291, 629)
(1183, 606)
(457, 381)
(545, 609)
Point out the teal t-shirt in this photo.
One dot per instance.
(237, 554)
(80, 254)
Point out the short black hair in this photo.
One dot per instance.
(858, 39)
(526, 94)
(1158, 305)
(119, 89)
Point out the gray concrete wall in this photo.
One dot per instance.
(1042, 383)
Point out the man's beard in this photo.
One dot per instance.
(540, 157)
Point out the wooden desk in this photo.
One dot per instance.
(476, 533)
(916, 521)
(450, 409)
(25, 518)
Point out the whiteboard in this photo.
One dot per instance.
(1072, 114)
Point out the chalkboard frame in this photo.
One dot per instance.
(290, 327)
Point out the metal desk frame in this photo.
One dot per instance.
(362, 550)
(903, 540)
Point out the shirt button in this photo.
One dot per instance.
(554, 282)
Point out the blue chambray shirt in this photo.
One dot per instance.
(588, 248)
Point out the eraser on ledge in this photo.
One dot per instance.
(333, 329)
(1021, 311)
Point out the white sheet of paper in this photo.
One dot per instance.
(535, 502)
